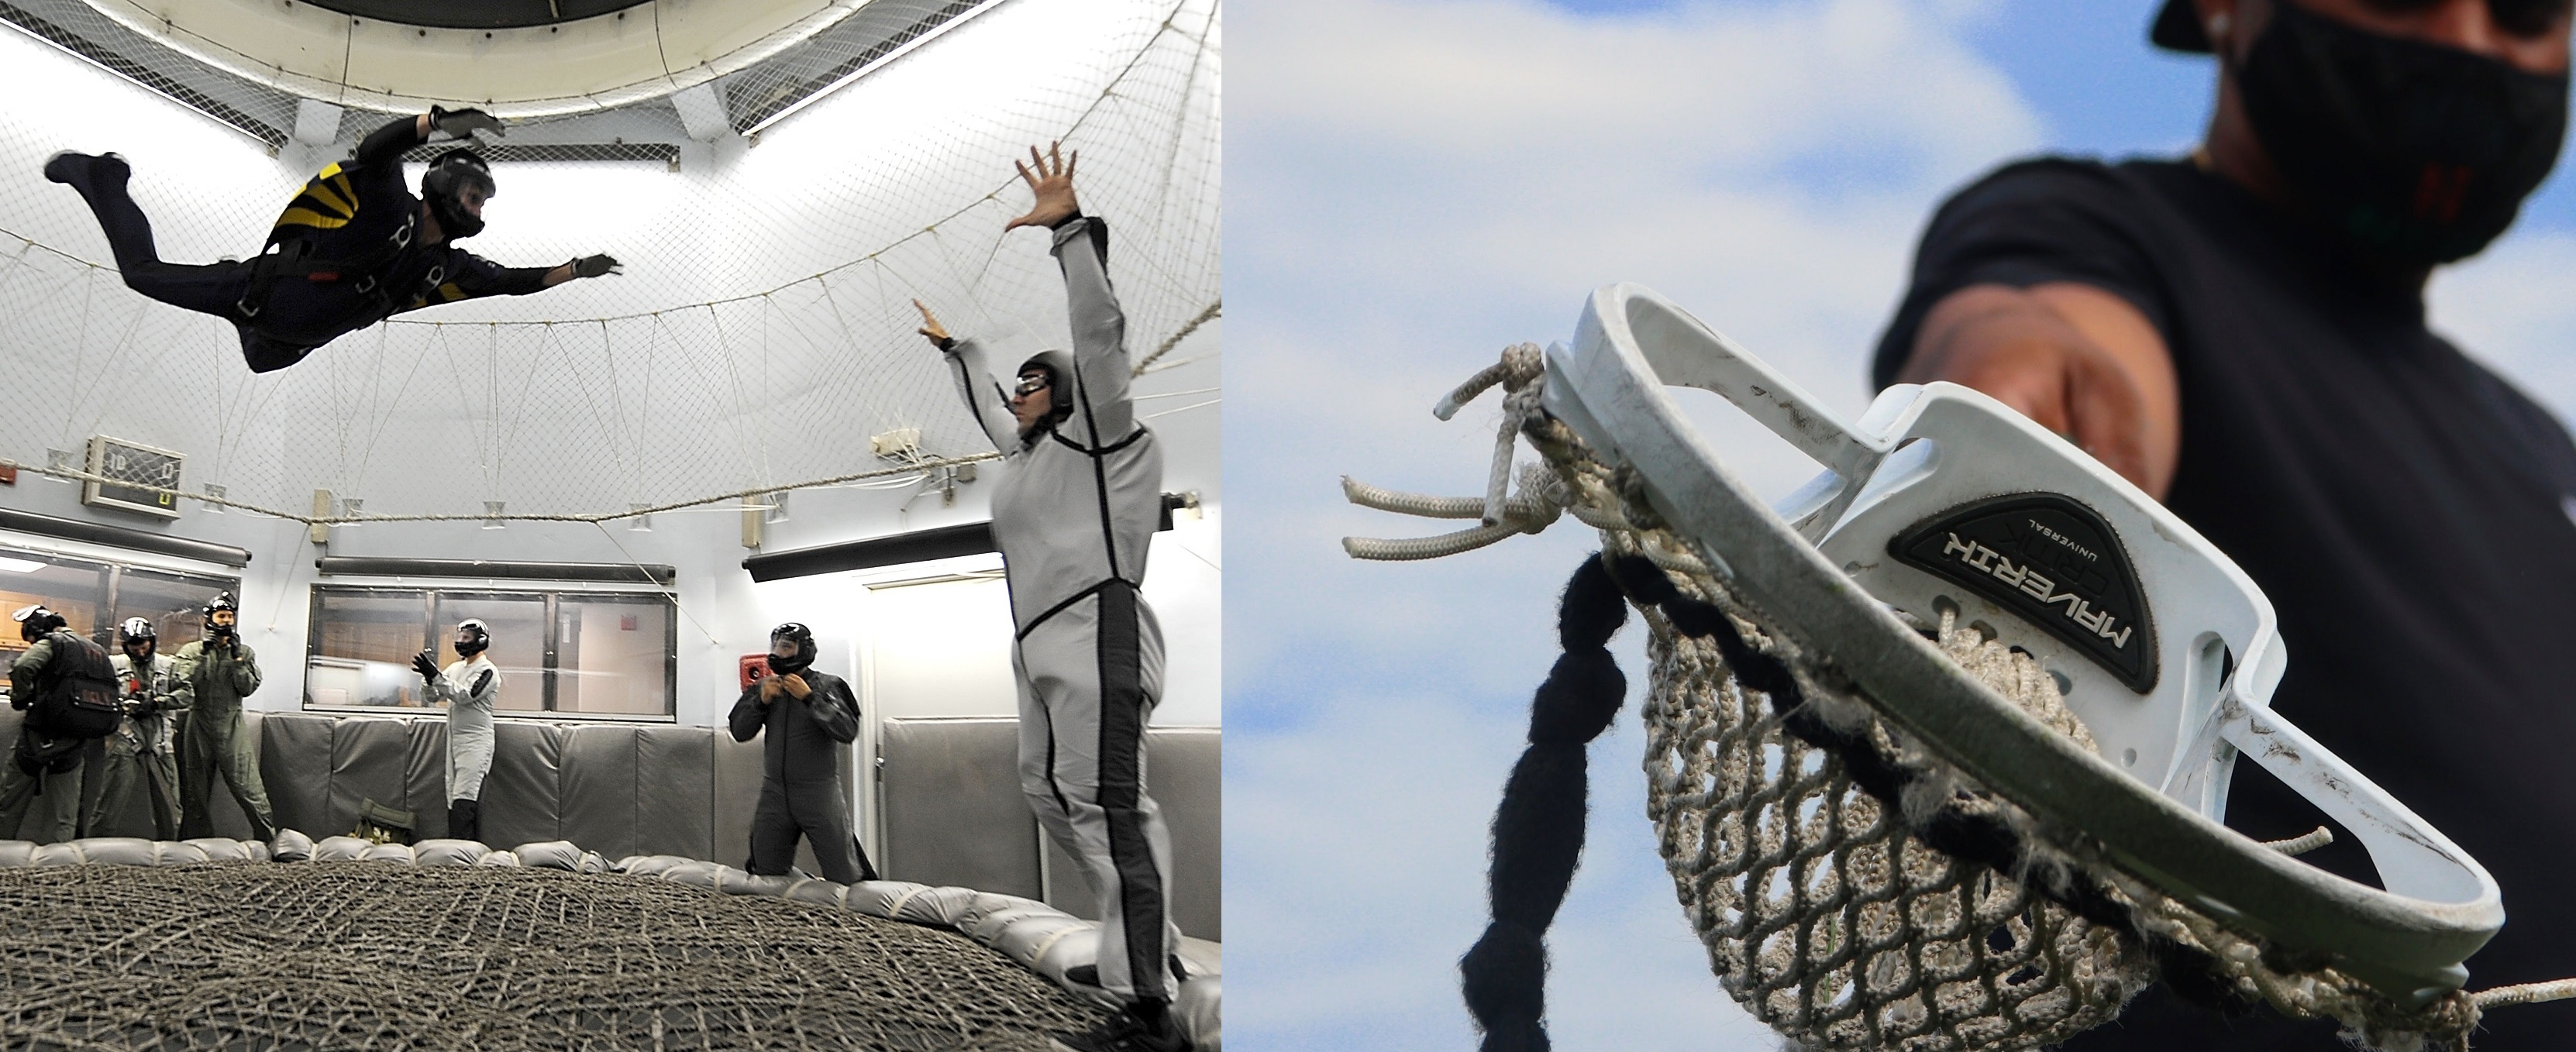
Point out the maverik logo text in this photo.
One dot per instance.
(2051, 561)
(2028, 578)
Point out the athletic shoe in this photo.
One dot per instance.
(79, 169)
(1123, 1033)
(67, 167)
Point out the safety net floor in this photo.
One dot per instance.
(356, 954)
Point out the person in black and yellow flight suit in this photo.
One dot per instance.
(353, 248)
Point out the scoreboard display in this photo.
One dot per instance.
(140, 474)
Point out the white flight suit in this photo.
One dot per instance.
(469, 688)
(1073, 511)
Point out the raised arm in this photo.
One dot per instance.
(1102, 410)
(1099, 333)
(402, 133)
(968, 365)
(389, 140)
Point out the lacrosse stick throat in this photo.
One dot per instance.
(1940, 497)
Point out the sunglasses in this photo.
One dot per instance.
(1030, 385)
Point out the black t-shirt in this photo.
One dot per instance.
(2407, 512)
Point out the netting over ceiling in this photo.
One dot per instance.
(763, 332)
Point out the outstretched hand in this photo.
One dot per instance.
(930, 327)
(426, 665)
(1053, 183)
(464, 123)
(595, 266)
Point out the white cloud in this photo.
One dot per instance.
(1412, 187)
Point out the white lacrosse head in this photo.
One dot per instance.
(1941, 496)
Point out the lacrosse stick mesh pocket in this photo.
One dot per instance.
(1856, 890)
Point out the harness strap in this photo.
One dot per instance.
(294, 255)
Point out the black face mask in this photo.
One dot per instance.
(789, 664)
(2419, 154)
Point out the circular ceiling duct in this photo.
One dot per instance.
(598, 54)
(478, 14)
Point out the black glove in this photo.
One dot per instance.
(426, 664)
(464, 123)
(594, 266)
(141, 706)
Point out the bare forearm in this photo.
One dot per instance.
(2076, 359)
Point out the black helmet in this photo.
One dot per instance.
(222, 603)
(795, 633)
(478, 637)
(34, 620)
(444, 185)
(1059, 369)
(138, 630)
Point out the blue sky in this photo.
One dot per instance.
(1415, 184)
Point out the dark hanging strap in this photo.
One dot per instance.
(1538, 830)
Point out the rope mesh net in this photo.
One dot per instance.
(1827, 911)
(760, 340)
(352, 954)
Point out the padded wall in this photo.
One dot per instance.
(941, 776)
(945, 775)
(645, 789)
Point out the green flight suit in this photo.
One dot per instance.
(142, 754)
(212, 682)
(60, 791)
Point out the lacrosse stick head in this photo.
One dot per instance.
(1940, 499)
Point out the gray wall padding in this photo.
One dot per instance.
(368, 762)
(599, 788)
(1183, 774)
(634, 789)
(523, 795)
(295, 754)
(944, 775)
(737, 786)
(675, 795)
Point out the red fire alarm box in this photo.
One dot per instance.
(755, 667)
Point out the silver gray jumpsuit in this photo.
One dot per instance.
(1073, 511)
(469, 688)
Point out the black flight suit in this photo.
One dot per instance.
(800, 785)
(347, 254)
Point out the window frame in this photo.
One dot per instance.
(111, 567)
(433, 597)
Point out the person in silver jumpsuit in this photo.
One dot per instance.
(468, 688)
(1078, 500)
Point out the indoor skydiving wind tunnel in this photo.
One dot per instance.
(628, 480)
